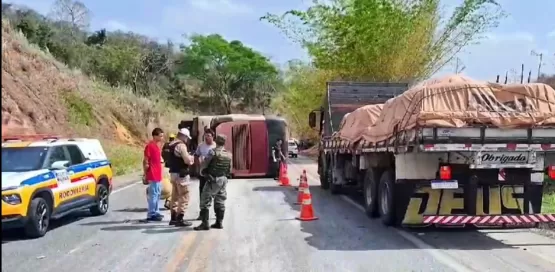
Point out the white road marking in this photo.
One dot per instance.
(437, 254)
(124, 187)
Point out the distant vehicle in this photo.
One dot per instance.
(45, 177)
(293, 149)
(249, 138)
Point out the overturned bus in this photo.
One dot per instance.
(249, 138)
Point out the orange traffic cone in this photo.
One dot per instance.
(284, 168)
(304, 177)
(280, 172)
(307, 212)
(302, 186)
(284, 180)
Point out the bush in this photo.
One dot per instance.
(125, 159)
(80, 112)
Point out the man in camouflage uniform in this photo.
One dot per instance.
(217, 168)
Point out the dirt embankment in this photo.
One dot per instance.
(42, 95)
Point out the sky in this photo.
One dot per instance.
(527, 27)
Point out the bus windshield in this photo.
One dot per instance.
(21, 159)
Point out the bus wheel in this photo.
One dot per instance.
(387, 198)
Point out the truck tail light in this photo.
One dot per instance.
(445, 172)
(551, 171)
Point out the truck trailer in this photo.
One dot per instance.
(447, 152)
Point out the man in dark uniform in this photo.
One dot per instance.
(278, 157)
(217, 168)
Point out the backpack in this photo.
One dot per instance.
(167, 154)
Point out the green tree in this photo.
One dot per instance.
(386, 40)
(302, 82)
(381, 40)
(227, 70)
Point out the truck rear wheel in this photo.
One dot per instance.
(371, 181)
(323, 173)
(335, 189)
(387, 198)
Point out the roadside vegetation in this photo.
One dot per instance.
(548, 205)
(118, 85)
(373, 40)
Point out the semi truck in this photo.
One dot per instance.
(447, 152)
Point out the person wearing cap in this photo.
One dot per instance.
(179, 175)
(202, 151)
(217, 168)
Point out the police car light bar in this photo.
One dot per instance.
(32, 137)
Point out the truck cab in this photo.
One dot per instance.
(340, 99)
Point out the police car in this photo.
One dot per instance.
(45, 178)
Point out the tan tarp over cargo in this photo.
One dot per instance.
(355, 122)
(457, 101)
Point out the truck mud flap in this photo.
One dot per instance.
(422, 206)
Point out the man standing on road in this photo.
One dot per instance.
(217, 168)
(152, 168)
(278, 157)
(202, 151)
(180, 160)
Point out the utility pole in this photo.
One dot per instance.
(540, 55)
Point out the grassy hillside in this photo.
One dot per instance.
(42, 95)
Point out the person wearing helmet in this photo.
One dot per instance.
(179, 163)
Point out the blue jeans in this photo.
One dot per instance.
(155, 190)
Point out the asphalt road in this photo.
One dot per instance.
(261, 234)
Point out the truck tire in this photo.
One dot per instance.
(39, 218)
(335, 189)
(370, 192)
(387, 198)
(323, 173)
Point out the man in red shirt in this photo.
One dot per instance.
(152, 166)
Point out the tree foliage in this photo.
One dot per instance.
(236, 77)
(227, 69)
(301, 84)
(382, 40)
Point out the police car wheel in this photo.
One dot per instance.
(39, 218)
(102, 201)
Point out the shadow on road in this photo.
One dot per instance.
(343, 227)
(338, 228)
(137, 210)
(140, 224)
(17, 234)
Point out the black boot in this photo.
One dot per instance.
(173, 218)
(199, 217)
(219, 218)
(179, 222)
(204, 213)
